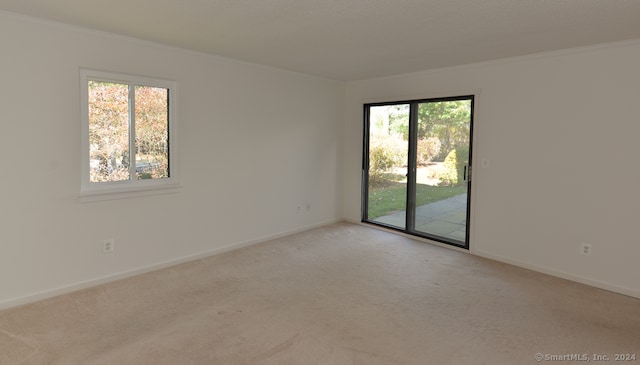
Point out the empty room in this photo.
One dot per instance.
(319, 182)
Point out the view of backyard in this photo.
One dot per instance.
(441, 138)
(113, 109)
(390, 196)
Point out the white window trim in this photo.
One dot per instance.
(91, 191)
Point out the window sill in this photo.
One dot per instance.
(104, 194)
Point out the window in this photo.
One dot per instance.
(417, 167)
(128, 129)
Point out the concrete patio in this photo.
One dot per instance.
(446, 218)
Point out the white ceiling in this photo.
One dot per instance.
(353, 39)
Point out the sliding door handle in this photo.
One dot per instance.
(467, 173)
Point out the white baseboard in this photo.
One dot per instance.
(161, 265)
(561, 274)
(129, 273)
(524, 265)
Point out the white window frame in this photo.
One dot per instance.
(90, 191)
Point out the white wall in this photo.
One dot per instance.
(560, 131)
(254, 143)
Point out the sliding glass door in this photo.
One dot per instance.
(388, 170)
(416, 167)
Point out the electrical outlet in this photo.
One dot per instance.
(585, 249)
(308, 207)
(107, 245)
(299, 209)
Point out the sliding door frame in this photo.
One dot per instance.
(412, 167)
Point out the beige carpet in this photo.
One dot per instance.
(341, 294)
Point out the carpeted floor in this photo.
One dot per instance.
(340, 294)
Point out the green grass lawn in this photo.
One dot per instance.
(393, 197)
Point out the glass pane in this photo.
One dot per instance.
(152, 132)
(388, 154)
(441, 168)
(108, 131)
